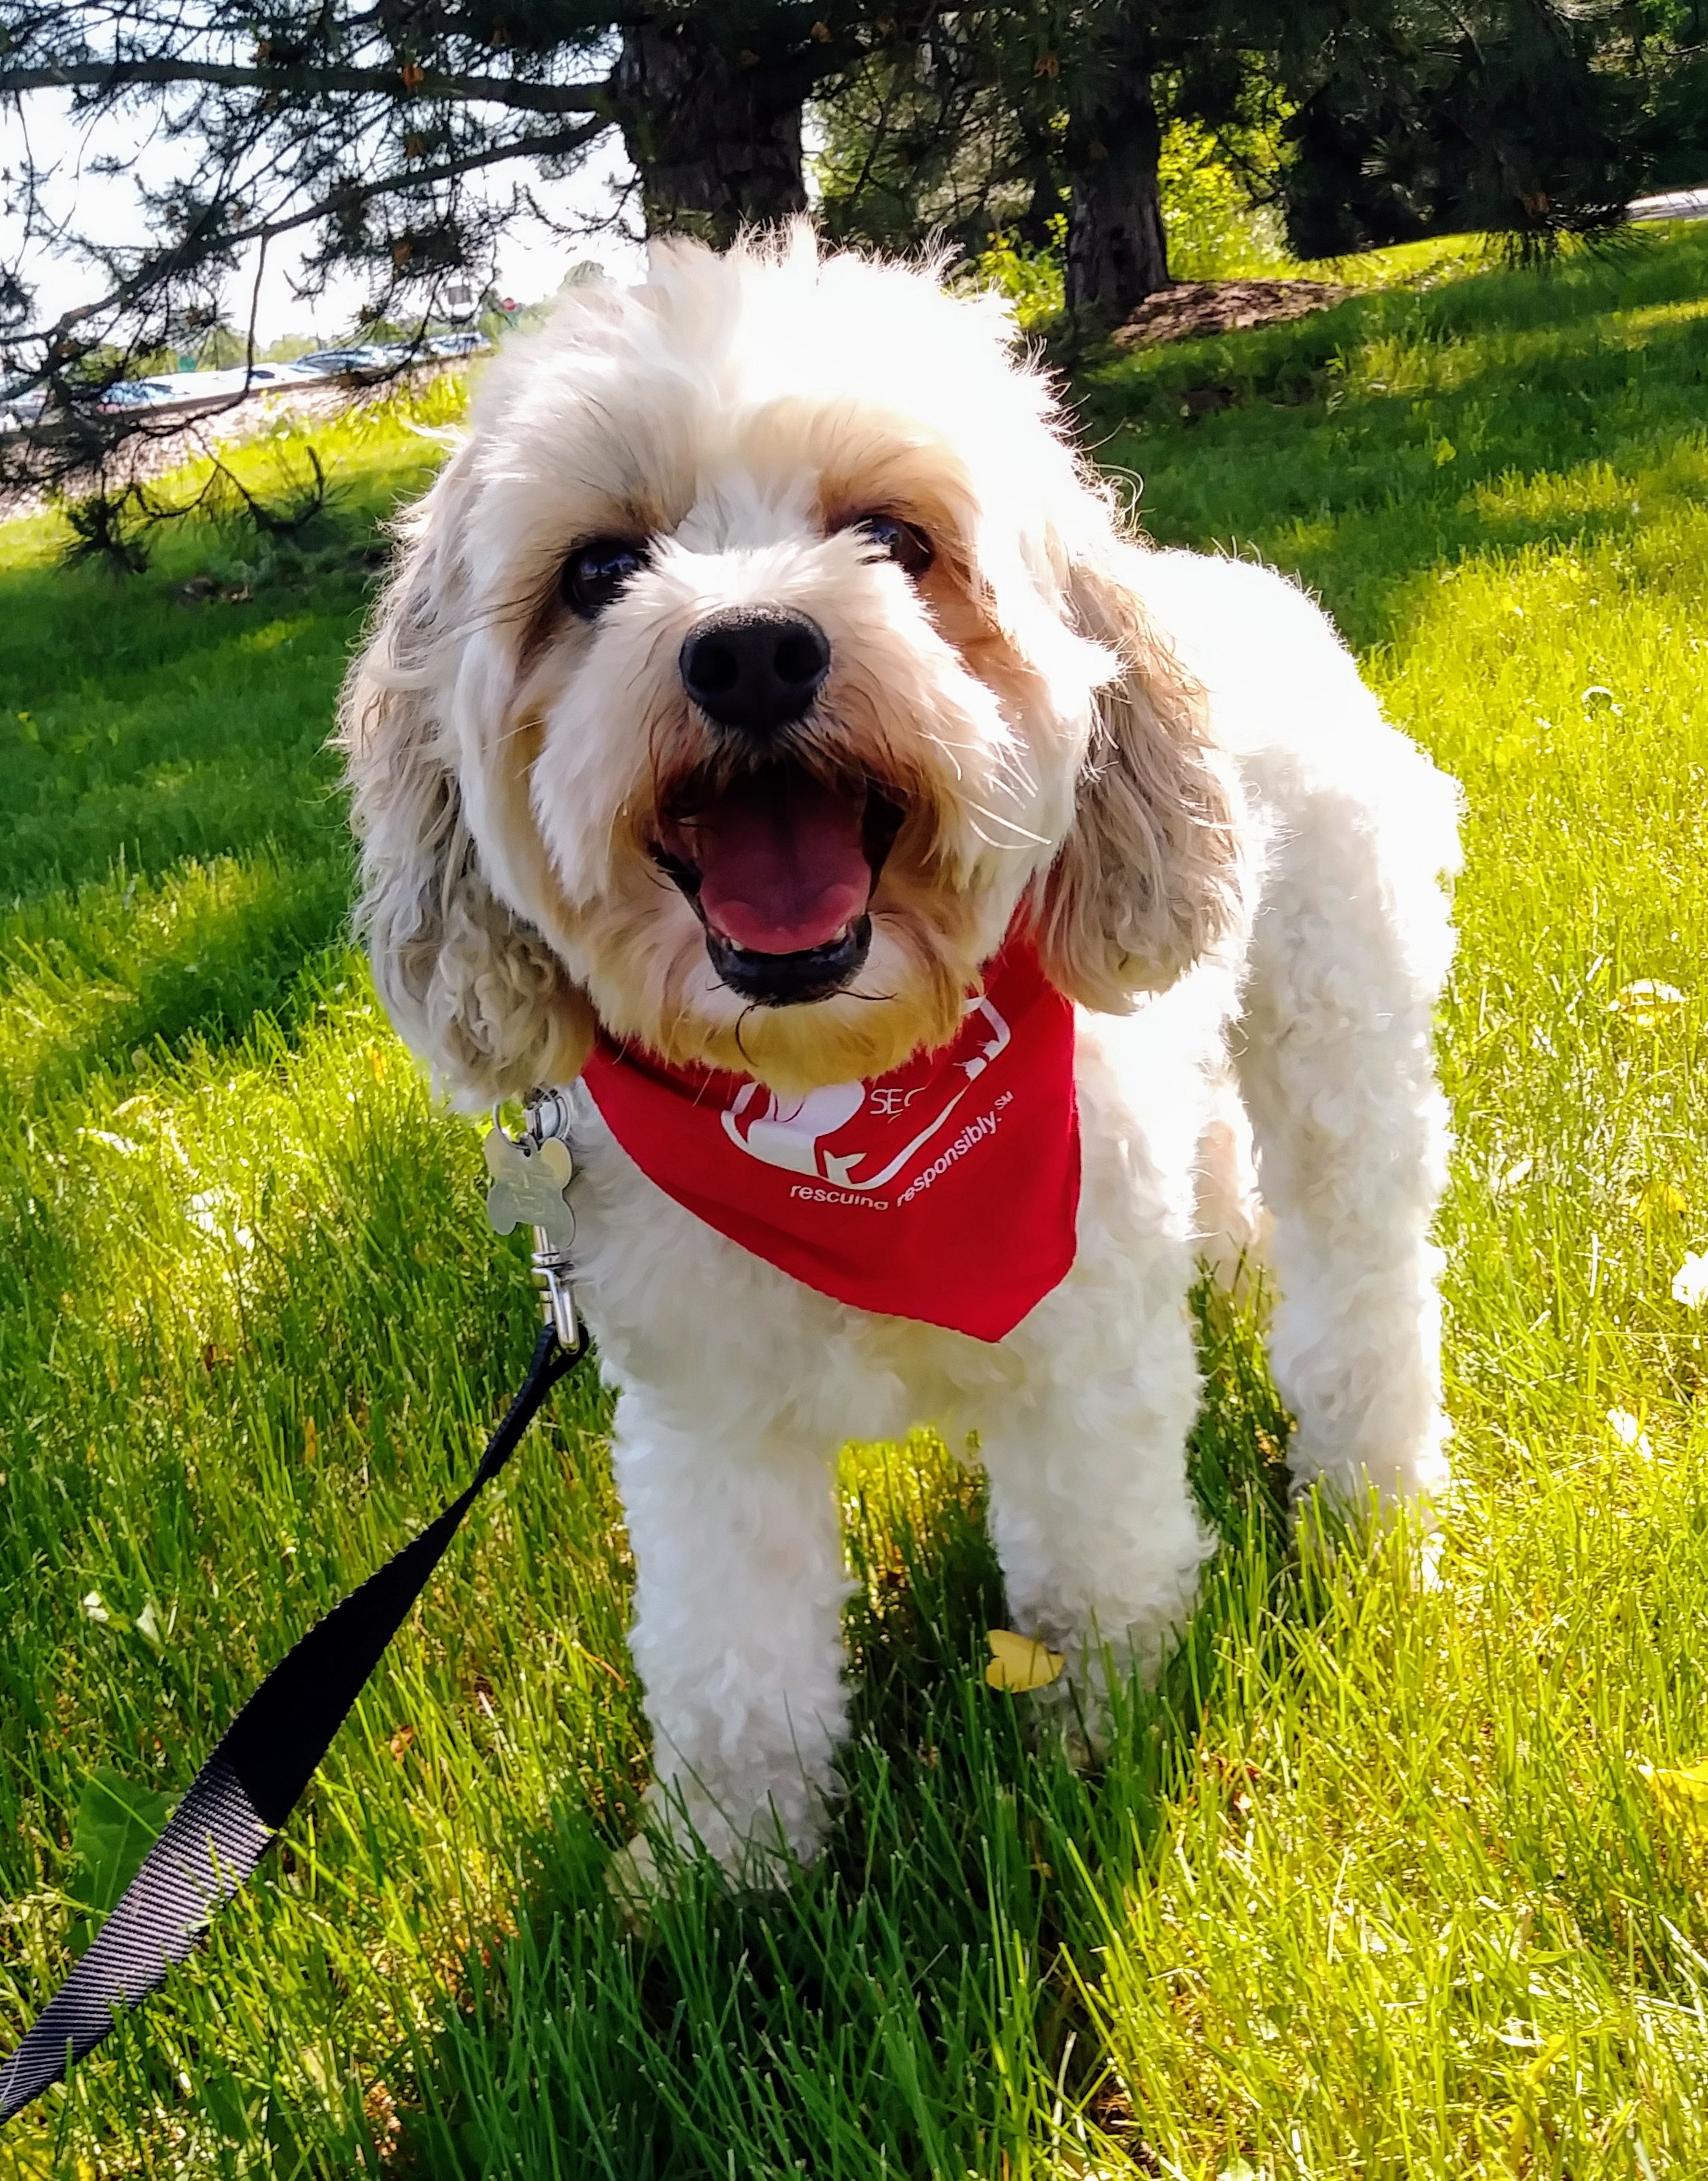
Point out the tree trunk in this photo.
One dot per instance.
(1117, 250)
(715, 137)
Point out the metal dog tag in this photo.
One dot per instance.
(529, 1182)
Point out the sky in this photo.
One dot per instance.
(531, 260)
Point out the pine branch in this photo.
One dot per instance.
(348, 195)
(404, 85)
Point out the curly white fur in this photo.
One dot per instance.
(1169, 763)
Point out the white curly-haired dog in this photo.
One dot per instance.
(773, 723)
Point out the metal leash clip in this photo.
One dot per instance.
(531, 1177)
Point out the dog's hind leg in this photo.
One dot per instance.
(737, 1632)
(1334, 1061)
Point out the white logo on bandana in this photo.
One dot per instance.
(792, 1133)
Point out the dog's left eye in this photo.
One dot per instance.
(905, 542)
(596, 572)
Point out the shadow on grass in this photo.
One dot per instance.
(126, 970)
(913, 2003)
(134, 725)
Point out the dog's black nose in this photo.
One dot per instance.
(755, 669)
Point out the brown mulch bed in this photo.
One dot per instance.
(1192, 309)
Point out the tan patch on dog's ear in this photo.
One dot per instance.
(471, 985)
(1151, 875)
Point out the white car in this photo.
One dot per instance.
(255, 378)
(133, 393)
(344, 362)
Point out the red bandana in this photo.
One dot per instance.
(946, 1191)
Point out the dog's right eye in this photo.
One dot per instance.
(596, 572)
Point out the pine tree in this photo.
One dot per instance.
(397, 142)
(1535, 118)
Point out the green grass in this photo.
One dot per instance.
(1374, 1885)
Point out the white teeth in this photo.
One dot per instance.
(760, 954)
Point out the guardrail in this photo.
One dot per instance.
(1672, 204)
(186, 408)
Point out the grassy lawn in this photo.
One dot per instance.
(1381, 1882)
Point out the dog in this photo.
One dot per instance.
(957, 918)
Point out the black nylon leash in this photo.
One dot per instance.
(246, 1790)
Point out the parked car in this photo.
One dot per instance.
(464, 343)
(236, 381)
(20, 404)
(344, 364)
(133, 393)
(259, 377)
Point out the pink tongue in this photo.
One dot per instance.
(781, 864)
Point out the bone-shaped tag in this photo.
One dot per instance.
(528, 1184)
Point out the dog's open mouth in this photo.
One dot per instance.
(779, 865)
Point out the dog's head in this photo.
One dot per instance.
(760, 654)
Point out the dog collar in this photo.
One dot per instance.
(946, 1191)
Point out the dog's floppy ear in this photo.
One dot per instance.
(472, 986)
(1151, 875)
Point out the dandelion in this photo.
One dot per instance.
(1690, 1281)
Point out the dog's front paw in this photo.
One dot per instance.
(634, 1884)
(681, 1839)
(1352, 1472)
(1082, 1733)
